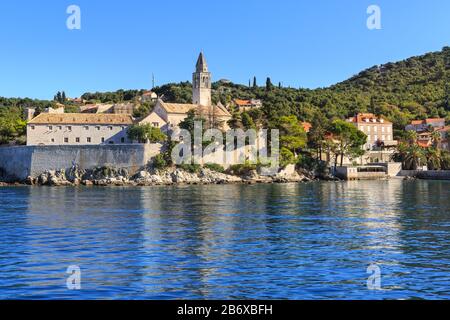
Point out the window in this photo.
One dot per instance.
(53, 140)
(59, 128)
(382, 129)
(69, 128)
(389, 138)
(50, 127)
(98, 128)
(88, 140)
(103, 140)
(66, 140)
(32, 127)
(86, 128)
(77, 140)
(155, 124)
(122, 140)
(110, 128)
(383, 137)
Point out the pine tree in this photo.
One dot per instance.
(268, 84)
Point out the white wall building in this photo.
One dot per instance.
(78, 129)
(377, 128)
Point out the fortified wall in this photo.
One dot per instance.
(17, 163)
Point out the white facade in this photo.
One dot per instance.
(78, 129)
(377, 129)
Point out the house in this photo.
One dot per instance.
(246, 105)
(123, 108)
(306, 126)
(155, 121)
(78, 129)
(425, 129)
(424, 125)
(378, 129)
(148, 96)
(173, 113)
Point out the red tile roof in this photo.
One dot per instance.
(361, 117)
(306, 126)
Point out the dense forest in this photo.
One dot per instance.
(415, 88)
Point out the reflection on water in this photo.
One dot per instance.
(293, 241)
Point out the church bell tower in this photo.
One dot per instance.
(201, 83)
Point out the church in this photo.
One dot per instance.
(167, 116)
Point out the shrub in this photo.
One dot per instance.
(242, 169)
(214, 167)
(192, 168)
(286, 157)
(159, 161)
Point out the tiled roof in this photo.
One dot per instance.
(361, 117)
(427, 121)
(444, 129)
(82, 118)
(182, 108)
(306, 126)
(240, 102)
(434, 120)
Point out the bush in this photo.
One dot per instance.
(192, 168)
(242, 169)
(159, 162)
(286, 157)
(214, 167)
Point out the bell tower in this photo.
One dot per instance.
(201, 83)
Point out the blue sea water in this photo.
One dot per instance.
(291, 241)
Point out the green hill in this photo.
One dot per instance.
(414, 88)
(405, 90)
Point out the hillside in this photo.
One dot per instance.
(405, 90)
(414, 88)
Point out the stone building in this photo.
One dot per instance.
(78, 129)
(173, 113)
(378, 129)
(246, 105)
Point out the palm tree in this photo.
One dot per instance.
(414, 155)
(411, 137)
(433, 156)
(436, 138)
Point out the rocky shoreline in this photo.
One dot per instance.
(153, 177)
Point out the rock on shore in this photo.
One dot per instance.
(147, 177)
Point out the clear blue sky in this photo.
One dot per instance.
(121, 43)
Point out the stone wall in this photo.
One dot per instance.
(17, 163)
(434, 175)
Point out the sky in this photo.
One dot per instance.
(299, 43)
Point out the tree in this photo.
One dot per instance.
(414, 157)
(269, 84)
(433, 156)
(436, 138)
(350, 139)
(292, 135)
(146, 133)
(189, 122)
(316, 135)
(254, 82)
(247, 121)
